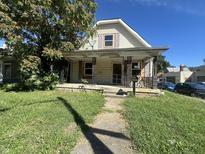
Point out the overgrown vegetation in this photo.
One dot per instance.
(167, 124)
(40, 122)
(162, 64)
(37, 32)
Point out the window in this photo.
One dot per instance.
(7, 71)
(88, 71)
(136, 69)
(108, 40)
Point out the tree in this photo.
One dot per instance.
(162, 64)
(43, 29)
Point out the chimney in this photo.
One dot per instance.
(182, 67)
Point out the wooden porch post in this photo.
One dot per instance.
(123, 72)
(129, 70)
(154, 78)
(94, 69)
(80, 73)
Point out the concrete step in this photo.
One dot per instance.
(114, 95)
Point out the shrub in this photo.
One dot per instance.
(32, 78)
(49, 82)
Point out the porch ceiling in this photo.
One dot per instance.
(140, 53)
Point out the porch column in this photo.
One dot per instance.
(80, 73)
(154, 78)
(123, 72)
(129, 71)
(94, 69)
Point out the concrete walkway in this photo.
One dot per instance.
(107, 135)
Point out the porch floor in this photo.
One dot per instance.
(107, 89)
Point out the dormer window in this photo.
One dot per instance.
(108, 40)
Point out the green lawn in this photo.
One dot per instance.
(167, 124)
(44, 121)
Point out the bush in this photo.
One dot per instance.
(11, 87)
(32, 77)
(47, 82)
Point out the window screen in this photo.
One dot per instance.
(108, 40)
(88, 69)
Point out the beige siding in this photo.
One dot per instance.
(75, 72)
(103, 71)
(126, 39)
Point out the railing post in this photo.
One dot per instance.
(134, 88)
(94, 69)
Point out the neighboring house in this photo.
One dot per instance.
(8, 67)
(198, 73)
(178, 75)
(113, 56)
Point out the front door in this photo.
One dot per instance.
(117, 74)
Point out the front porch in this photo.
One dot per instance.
(107, 90)
(112, 67)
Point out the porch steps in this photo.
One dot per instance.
(114, 95)
(109, 91)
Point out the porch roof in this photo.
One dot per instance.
(141, 53)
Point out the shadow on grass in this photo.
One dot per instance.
(98, 146)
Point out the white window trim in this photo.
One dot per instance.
(88, 68)
(113, 41)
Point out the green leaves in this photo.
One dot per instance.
(29, 66)
(45, 28)
(162, 64)
(51, 54)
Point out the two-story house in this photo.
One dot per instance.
(113, 56)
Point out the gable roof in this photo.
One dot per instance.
(127, 27)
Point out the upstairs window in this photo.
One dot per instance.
(88, 69)
(108, 40)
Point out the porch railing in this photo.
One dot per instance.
(148, 82)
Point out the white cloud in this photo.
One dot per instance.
(187, 6)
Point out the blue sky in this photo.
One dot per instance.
(178, 24)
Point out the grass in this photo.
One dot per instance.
(40, 122)
(167, 124)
